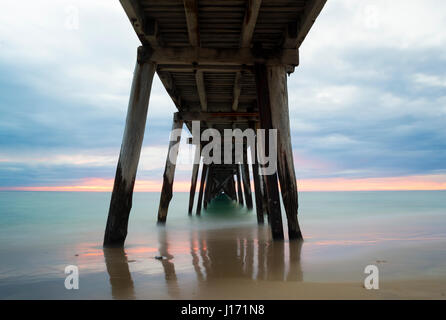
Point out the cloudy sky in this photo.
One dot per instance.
(367, 103)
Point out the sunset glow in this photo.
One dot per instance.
(420, 182)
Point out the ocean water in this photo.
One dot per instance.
(403, 232)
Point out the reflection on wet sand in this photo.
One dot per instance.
(118, 270)
(168, 266)
(217, 255)
(220, 254)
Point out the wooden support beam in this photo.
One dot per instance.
(222, 56)
(236, 91)
(219, 117)
(258, 193)
(257, 188)
(169, 172)
(191, 12)
(231, 188)
(146, 29)
(121, 200)
(199, 80)
(246, 183)
(249, 22)
(272, 188)
(204, 172)
(298, 30)
(278, 93)
(205, 68)
(239, 186)
(208, 186)
(193, 183)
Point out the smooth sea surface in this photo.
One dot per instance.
(402, 232)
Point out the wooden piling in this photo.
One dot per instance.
(246, 185)
(272, 189)
(239, 185)
(204, 171)
(193, 183)
(169, 171)
(277, 79)
(121, 199)
(257, 191)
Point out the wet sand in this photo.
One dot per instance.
(211, 258)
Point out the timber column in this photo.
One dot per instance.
(121, 200)
(278, 93)
(169, 170)
(272, 188)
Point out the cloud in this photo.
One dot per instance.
(368, 100)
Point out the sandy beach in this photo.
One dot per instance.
(224, 254)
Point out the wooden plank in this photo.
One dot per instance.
(223, 56)
(249, 22)
(191, 12)
(277, 80)
(121, 200)
(199, 80)
(169, 173)
(237, 90)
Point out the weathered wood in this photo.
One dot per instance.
(239, 186)
(257, 190)
(205, 68)
(272, 189)
(121, 200)
(191, 12)
(223, 56)
(193, 183)
(231, 188)
(208, 187)
(246, 185)
(169, 172)
(219, 117)
(199, 79)
(312, 10)
(249, 22)
(278, 93)
(204, 172)
(236, 91)
(146, 29)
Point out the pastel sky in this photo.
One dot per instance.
(367, 103)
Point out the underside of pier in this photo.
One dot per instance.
(225, 64)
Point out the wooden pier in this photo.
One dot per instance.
(225, 64)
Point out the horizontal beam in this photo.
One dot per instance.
(216, 117)
(212, 56)
(205, 68)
